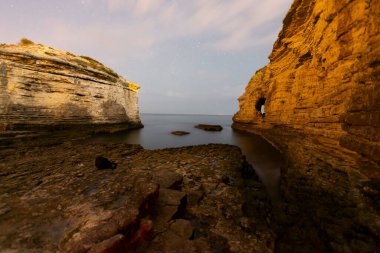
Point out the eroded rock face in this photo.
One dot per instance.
(322, 82)
(44, 87)
(322, 97)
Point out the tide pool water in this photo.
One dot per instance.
(156, 134)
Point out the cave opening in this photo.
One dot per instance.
(260, 106)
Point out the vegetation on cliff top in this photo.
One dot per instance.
(81, 60)
(25, 42)
(100, 66)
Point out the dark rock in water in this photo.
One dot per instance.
(103, 163)
(179, 133)
(209, 127)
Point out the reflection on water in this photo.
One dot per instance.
(265, 159)
(157, 134)
(158, 128)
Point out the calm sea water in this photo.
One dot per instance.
(157, 134)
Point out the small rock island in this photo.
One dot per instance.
(210, 128)
(180, 133)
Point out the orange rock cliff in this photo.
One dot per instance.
(321, 97)
(321, 87)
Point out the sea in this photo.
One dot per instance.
(156, 134)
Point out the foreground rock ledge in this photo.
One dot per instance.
(194, 198)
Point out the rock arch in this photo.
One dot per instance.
(259, 106)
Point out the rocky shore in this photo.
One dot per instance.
(191, 199)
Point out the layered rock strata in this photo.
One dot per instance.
(322, 82)
(45, 87)
(318, 101)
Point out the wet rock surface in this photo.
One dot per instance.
(191, 199)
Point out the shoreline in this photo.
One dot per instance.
(195, 194)
(205, 188)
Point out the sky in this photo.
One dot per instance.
(188, 56)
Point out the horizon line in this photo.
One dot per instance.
(194, 114)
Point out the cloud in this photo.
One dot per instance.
(141, 25)
(137, 7)
(116, 5)
(171, 93)
(136, 28)
(144, 7)
(226, 25)
(173, 48)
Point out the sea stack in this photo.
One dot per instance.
(42, 87)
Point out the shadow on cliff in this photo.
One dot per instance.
(265, 159)
(320, 214)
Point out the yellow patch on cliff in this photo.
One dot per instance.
(11, 87)
(134, 87)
